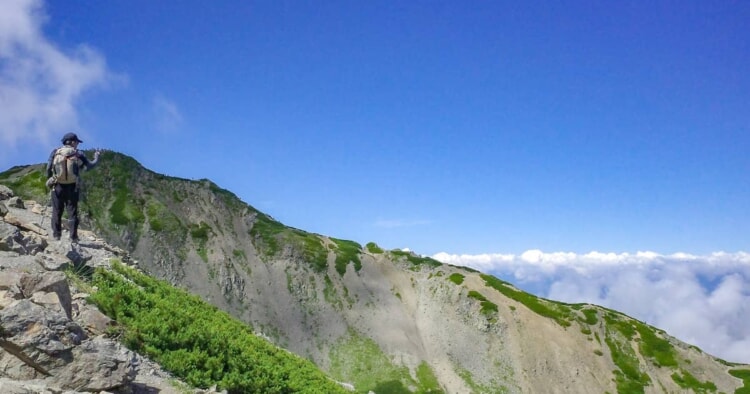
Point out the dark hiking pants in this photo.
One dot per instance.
(65, 197)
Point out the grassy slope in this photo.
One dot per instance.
(197, 342)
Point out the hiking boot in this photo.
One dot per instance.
(74, 240)
(56, 237)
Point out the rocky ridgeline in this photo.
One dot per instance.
(51, 339)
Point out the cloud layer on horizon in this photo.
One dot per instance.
(40, 82)
(702, 300)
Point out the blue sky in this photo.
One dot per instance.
(438, 126)
(471, 129)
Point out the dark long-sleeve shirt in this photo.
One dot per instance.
(86, 163)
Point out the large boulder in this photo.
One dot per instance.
(5, 192)
(10, 288)
(10, 238)
(49, 282)
(19, 262)
(98, 364)
(34, 243)
(93, 321)
(24, 224)
(41, 342)
(16, 202)
(8, 386)
(54, 262)
(40, 339)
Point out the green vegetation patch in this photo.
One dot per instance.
(622, 325)
(628, 376)
(651, 345)
(162, 220)
(480, 388)
(197, 342)
(427, 379)
(125, 209)
(457, 278)
(360, 360)
(269, 236)
(688, 381)
(112, 197)
(230, 199)
(553, 310)
(658, 349)
(591, 316)
(743, 374)
(312, 247)
(346, 252)
(488, 307)
(373, 248)
(330, 294)
(27, 182)
(414, 259)
(200, 233)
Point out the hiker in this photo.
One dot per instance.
(63, 172)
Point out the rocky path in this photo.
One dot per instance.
(51, 339)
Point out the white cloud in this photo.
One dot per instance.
(702, 300)
(167, 115)
(39, 82)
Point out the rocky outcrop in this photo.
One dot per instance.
(51, 339)
(6, 193)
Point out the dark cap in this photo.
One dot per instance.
(70, 137)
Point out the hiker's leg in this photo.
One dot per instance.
(73, 213)
(58, 203)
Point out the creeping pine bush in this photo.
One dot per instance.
(553, 310)
(457, 278)
(197, 342)
(743, 374)
(346, 252)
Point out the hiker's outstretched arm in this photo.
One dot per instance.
(89, 164)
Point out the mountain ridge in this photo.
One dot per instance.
(332, 300)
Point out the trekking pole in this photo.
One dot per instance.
(47, 203)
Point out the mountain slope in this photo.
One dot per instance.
(54, 337)
(386, 321)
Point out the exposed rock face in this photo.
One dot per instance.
(5, 193)
(10, 238)
(15, 202)
(51, 339)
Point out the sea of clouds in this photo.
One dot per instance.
(701, 300)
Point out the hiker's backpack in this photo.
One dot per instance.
(65, 165)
